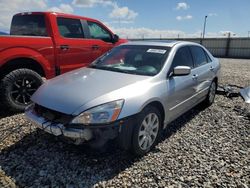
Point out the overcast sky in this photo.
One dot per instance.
(146, 18)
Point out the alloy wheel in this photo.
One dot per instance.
(148, 131)
(212, 92)
(22, 89)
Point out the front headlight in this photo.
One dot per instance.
(104, 113)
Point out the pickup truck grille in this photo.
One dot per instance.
(52, 115)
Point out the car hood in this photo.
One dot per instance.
(68, 92)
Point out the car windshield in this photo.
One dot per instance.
(133, 59)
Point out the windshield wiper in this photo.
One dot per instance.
(120, 70)
(92, 66)
(101, 67)
(110, 69)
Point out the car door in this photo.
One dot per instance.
(100, 38)
(181, 88)
(202, 71)
(74, 50)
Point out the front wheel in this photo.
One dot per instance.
(147, 130)
(17, 87)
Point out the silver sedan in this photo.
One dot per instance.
(129, 94)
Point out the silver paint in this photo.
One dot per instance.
(79, 90)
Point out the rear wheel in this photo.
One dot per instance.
(211, 94)
(17, 87)
(147, 130)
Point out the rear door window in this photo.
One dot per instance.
(98, 32)
(70, 28)
(28, 25)
(199, 55)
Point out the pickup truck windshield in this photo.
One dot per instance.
(133, 59)
(28, 25)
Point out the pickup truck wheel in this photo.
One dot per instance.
(147, 131)
(17, 88)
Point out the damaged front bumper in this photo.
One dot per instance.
(95, 135)
(58, 129)
(232, 91)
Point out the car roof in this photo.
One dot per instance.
(166, 43)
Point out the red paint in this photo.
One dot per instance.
(47, 52)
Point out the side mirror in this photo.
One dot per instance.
(181, 71)
(115, 38)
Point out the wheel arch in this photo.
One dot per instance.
(19, 63)
(43, 62)
(158, 105)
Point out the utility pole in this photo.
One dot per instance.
(248, 34)
(204, 27)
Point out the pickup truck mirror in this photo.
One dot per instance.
(115, 38)
(181, 71)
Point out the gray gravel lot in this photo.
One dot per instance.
(204, 148)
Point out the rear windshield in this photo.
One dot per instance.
(28, 25)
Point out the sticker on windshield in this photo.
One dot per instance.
(158, 51)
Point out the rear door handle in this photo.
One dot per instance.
(195, 76)
(64, 47)
(95, 47)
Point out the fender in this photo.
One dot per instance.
(21, 52)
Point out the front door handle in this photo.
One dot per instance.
(211, 68)
(95, 47)
(64, 47)
(195, 76)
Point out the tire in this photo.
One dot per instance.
(211, 94)
(17, 87)
(147, 131)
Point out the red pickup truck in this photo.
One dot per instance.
(46, 44)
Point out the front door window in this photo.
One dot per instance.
(98, 32)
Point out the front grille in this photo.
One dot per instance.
(52, 115)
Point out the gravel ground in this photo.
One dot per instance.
(204, 148)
